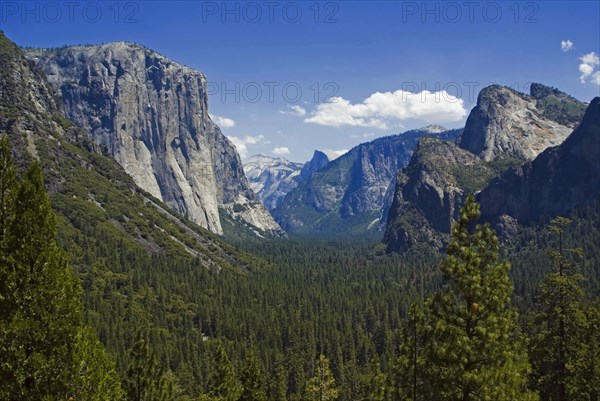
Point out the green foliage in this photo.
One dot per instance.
(409, 381)
(223, 384)
(471, 178)
(589, 381)
(559, 351)
(99, 380)
(322, 387)
(252, 379)
(475, 350)
(145, 380)
(46, 352)
(375, 382)
(558, 106)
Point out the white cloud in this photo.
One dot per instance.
(596, 78)
(223, 122)
(294, 110)
(281, 151)
(380, 109)
(241, 144)
(586, 68)
(566, 45)
(591, 59)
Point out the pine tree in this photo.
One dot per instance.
(223, 383)
(322, 387)
(278, 385)
(252, 379)
(46, 352)
(409, 368)
(145, 380)
(589, 380)
(559, 345)
(475, 350)
(375, 381)
(99, 380)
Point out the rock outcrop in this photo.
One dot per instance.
(151, 115)
(429, 193)
(557, 181)
(506, 123)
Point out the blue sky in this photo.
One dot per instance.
(288, 77)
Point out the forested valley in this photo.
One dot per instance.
(308, 320)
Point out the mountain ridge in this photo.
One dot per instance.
(504, 130)
(351, 194)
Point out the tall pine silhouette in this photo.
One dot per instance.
(475, 351)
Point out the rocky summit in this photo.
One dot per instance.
(506, 123)
(557, 181)
(429, 193)
(151, 115)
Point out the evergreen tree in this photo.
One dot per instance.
(559, 345)
(475, 350)
(99, 380)
(409, 368)
(252, 379)
(375, 381)
(223, 384)
(145, 380)
(45, 351)
(322, 387)
(589, 380)
(278, 387)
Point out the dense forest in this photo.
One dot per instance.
(86, 315)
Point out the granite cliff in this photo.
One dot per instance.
(506, 123)
(557, 181)
(151, 116)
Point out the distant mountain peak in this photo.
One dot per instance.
(271, 178)
(434, 129)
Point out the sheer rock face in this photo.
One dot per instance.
(429, 193)
(558, 180)
(505, 123)
(151, 115)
